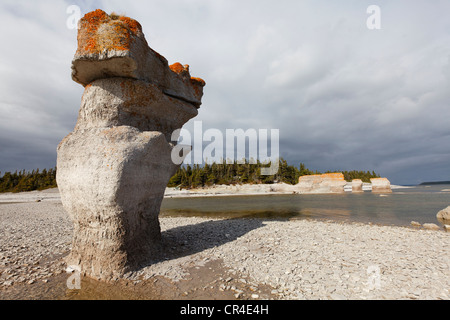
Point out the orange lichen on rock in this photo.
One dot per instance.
(132, 24)
(114, 46)
(198, 81)
(335, 175)
(116, 35)
(321, 177)
(181, 70)
(197, 84)
(96, 17)
(89, 24)
(177, 67)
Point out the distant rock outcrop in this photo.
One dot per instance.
(114, 167)
(381, 185)
(357, 185)
(321, 183)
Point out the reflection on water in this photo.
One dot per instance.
(420, 204)
(316, 212)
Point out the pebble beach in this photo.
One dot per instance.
(237, 258)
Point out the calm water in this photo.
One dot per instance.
(402, 206)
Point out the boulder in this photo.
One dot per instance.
(431, 226)
(322, 183)
(381, 185)
(114, 167)
(444, 214)
(415, 224)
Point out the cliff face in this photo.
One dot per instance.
(322, 183)
(114, 167)
(357, 185)
(381, 185)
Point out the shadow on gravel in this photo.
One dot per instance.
(190, 239)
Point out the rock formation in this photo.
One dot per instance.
(431, 226)
(114, 46)
(381, 185)
(114, 167)
(357, 185)
(321, 183)
(444, 214)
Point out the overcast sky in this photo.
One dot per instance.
(342, 95)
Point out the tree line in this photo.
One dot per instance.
(242, 173)
(28, 181)
(189, 176)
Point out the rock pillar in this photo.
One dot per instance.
(112, 170)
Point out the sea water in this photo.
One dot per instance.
(418, 203)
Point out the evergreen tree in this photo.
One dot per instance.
(28, 181)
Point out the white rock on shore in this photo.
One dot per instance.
(444, 214)
(321, 183)
(431, 226)
(381, 185)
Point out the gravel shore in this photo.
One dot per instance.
(246, 258)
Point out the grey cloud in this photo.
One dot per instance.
(344, 97)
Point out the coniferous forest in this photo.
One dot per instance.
(28, 181)
(188, 176)
(222, 173)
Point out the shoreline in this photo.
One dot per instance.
(204, 258)
(223, 191)
(214, 191)
(219, 191)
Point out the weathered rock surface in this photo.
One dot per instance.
(116, 102)
(114, 167)
(322, 183)
(444, 214)
(357, 185)
(381, 185)
(114, 46)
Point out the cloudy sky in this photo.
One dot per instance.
(342, 95)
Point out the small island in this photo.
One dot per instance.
(242, 175)
(434, 183)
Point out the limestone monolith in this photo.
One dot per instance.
(113, 169)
